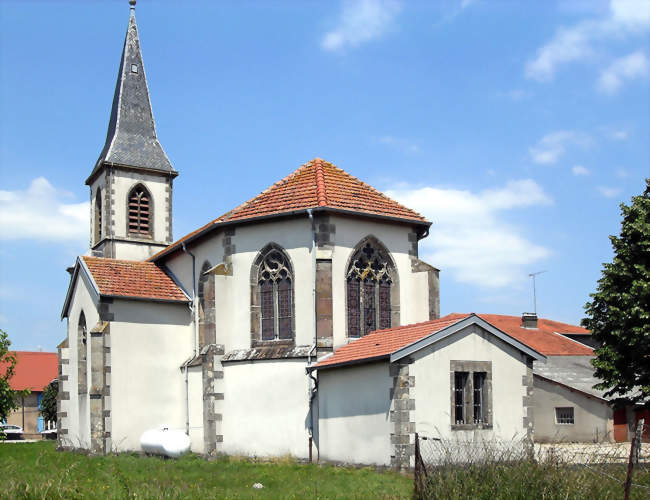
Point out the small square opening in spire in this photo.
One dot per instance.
(134, 68)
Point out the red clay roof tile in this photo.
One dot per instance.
(317, 183)
(382, 343)
(126, 278)
(34, 370)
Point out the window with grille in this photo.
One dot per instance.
(139, 208)
(478, 401)
(369, 282)
(275, 281)
(471, 394)
(460, 388)
(564, 415)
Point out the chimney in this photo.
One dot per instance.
(529, 320)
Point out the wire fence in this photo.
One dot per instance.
(518, 468)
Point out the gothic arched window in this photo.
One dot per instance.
(371, 293)
(82, 350)
(273, 292)
(98, 216)
(139, 208)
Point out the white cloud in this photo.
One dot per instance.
(40, 213)
(401, 144)
(619, 135)
(621, 173)
(469, 237)
(361, 21)
(550, 148)
(634, 65)
(579, 42)
(579, 170)
(608, 192)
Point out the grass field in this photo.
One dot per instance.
(36, 470)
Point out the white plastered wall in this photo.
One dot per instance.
(432, 390)
(123, 182)
(78, 420)
(354, 414)
(149, 343)
(593, 418)
(294, 235)
(233, 322)
(195, 387)
(266, 408)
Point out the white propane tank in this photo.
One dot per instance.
(168, 442)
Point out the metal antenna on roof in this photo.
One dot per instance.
(532, 275)
(132, 4)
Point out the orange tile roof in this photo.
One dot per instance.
(34, 370)
(382, 343)
(316, 184)
(127, 278)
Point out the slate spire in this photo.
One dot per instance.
(131, 139)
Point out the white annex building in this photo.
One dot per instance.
(253, 333)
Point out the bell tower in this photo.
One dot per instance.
(131, 183)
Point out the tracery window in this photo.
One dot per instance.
(139, 208)
(275, 280)
(370, 279)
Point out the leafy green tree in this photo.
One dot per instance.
(619, 312)
(48, 401)
(8, 396)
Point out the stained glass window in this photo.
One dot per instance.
(369, 283)
(276, 296)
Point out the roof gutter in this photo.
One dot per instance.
(349, 363)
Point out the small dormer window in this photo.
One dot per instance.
(134, 68)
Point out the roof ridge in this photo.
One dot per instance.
(321, 187)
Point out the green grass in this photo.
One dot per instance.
(524, 480)
(36, 470)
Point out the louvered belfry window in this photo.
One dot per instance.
(140, 211)
(369, 281)
(276, 293)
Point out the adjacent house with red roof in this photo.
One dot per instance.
(34, 371)
(275, 328)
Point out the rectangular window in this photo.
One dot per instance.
(460, 387)
(479, 392)
(470, 387)
(564, 415)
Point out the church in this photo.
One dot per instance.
(302, 322)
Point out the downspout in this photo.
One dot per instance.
(314, 347)
(194, 310)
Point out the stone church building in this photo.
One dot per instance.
(253, 332)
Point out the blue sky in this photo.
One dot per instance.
(516, 127)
